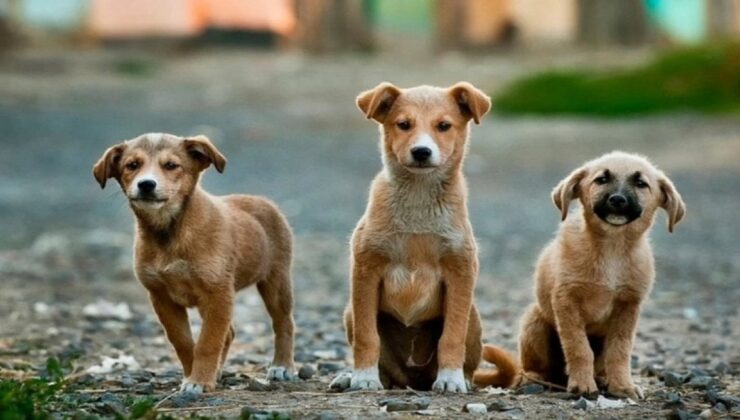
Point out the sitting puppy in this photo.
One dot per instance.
(193, 249)
(592, 279)
(411, 320)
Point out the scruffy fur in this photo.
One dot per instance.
(411, 320)
(593, 277)
(193, 249)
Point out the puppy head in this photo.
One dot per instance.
(158, 171)
(424, 128)
(619, 190)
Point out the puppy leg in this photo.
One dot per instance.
(579, 358)
(365, 337)
(229, 339)
(535, 345)
(459, 274)
(216, 311)
(174, 319)
(277, 293)
(473, 344)
(618, 348)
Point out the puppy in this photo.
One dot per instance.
(592, 279)
(411, 320)
(193, 249)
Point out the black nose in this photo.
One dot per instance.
(421, 153)
(147, 186)
(618, 201)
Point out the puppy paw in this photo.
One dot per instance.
(450, 380)
(366, 380)
(631, 391)
(280, 374)
(341, 382)
(583, 386)
(196, 388)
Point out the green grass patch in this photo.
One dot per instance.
(135, 67)
(704, 79)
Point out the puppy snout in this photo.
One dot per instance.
(617, 201)
(147, 186)
(421, 153)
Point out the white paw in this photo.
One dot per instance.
(450, 380)
(191, 388)
(366, 379)
(280, 373)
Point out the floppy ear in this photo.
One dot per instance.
(672, 202)
(376, 102)
(472, 101)
(202, 150)
(107, 165)
(567, 190)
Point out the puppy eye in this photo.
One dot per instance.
(443, 126)
(171, 166)
(132, 166)
(404, 125)
(640, 183)
(601, 180)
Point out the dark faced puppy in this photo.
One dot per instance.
(593, 277)
(193, 249)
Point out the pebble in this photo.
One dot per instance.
(703, 382)
(673, 400)
(306, 372)
(183, 399)
(144, 388)
(397, 404)
(326, 368)
(722, 368)
(581, 404)
(500, 406)
(531, 389)
(478, 409)
(651, 369)
(673, 378)
(679, 414)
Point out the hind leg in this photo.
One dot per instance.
(277, 293)
(535, 344)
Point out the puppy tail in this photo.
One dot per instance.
(506, 372)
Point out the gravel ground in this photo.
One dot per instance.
(288, 125)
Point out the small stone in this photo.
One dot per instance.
(581, 404)
(531, 389)
(722, 368)
(305, 357)
(719, 408)
(144, 388)
(306, 372)
(673, 378)
(326, 368)
(703, 382)
(183, 399)
(651, 369)
(515, 413)
(500, 406)
(478, 409)
(249, 412)
(679, 414)
(258, 385)
(706, 414)
(397, 404)
(673, 400)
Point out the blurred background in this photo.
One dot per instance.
(273, 82)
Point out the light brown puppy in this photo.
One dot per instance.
(411, 320)
(592, 279)
(193, 249)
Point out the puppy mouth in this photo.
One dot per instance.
(619, 218)
(420, 168)
(148, 201)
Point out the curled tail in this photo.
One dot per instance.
(506, 372)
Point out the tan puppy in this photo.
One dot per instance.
(592, 279)
(193, 249)
(411, 320)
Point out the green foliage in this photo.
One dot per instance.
(135, 67)
(702, 78)
(28, 399)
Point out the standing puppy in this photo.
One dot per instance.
(411, 320)
(193, 249)
(593, 278)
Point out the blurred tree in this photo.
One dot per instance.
(331, 25)
(612, 22)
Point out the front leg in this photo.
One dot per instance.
(579, 357)
(618, 348)
(216, 310)
(458, 273)
(174, 320)
(365, 338)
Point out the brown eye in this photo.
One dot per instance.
(404, 125)
(601, 180)
(640, 183)
(171, 166)
(132, 166)
(443, 126)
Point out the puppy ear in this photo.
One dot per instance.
(376, 102)
(672, 202)
(472, 101)
(107, 165)
(202, 150)
(567, 190)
